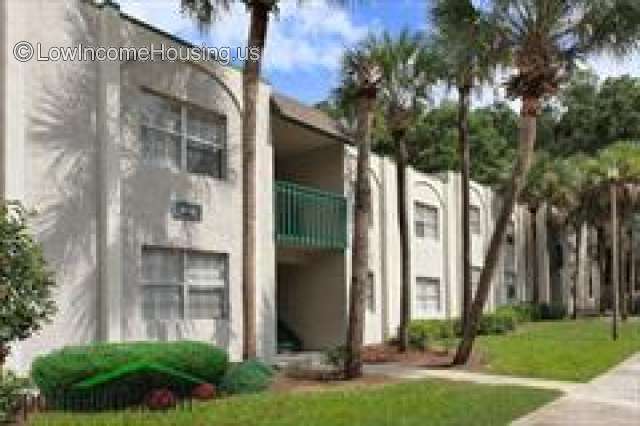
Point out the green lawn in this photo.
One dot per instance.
(562, 350)
(406, 404)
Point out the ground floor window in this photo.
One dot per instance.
(370, 293)
(427, 296)
(183, 284)
(510, 286)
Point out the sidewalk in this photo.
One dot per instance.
(612, 399)
(405, 372)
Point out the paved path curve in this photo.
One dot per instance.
(612, 399)
(408, 373)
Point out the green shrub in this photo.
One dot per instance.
(11, 389)
(422, 333)
(248, 377)
(336, 356)
(551, 311)
(526, 312)
(58, 372)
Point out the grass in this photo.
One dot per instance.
(561, 350)
(407, 404)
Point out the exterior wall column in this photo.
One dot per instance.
(544, 290)
(265, 245)
(3, 100)
(109, 229)
(12, 25)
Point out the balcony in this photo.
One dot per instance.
(308, 217)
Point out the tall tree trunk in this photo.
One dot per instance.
(360, 249)
(615, 285)
(464, 101)
(251, 84)
(4, 353)
(528, 119)
(576, 278)
(403, 219)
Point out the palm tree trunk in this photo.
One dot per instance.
(464, 101)
(528, 119)
(602, 266)
(614, 261)
(405, 295)
(251, 82)
(360, 249)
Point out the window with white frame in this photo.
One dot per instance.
(426, 221)
(427, 296)
(370, 293)
(182, 284)
(474, 220)
(182, 136)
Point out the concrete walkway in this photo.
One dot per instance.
(612, 399)
(408, 373)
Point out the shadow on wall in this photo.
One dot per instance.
(63, 185)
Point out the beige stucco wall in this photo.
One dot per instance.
(75, 157)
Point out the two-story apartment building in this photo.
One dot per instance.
(134, 169)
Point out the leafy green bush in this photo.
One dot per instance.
(26, 290)
(248, 377)
(336, 356)
(526, 312)
(11, 389)
(551, 311)
(65, 370)
(422, 333)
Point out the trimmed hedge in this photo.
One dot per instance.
(250, 376)
(422, 333)
(75, 370)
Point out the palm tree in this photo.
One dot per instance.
(465, 45)
(361, 80)
(545, 38)
(408, 69)
(205, 11)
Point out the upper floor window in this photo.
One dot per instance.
(427, 296)
(182, 136)
(179, 284)
(426, 221)
(474, 220)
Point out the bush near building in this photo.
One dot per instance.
(423, 334)
(113, 375)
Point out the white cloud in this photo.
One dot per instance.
(300, 38)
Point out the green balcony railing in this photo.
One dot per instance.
(309, 217)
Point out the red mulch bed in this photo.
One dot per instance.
(383, 353)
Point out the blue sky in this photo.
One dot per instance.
(305, 43)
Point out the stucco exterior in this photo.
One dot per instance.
(71, 149)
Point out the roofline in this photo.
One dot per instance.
(311, 127)
(154, 29)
